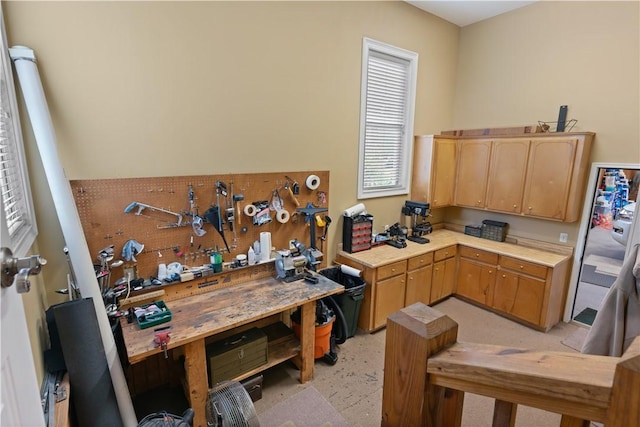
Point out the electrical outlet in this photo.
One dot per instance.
(564, 237)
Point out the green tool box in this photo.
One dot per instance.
(236, 355)
(153, 314)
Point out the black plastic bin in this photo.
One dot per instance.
(349, 301)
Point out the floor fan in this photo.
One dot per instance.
(229, 405)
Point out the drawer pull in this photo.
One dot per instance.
(477, 255)
(490, 271)
(521, 267)
(515, 206)
(504, 275)
(393, 270)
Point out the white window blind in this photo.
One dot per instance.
(388, 98)
(18, 219)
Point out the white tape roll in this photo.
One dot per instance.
(350, 270)
(313, 182)
(250, 210)
(354, 210)
(282, 216)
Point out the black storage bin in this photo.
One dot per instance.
(349, 301)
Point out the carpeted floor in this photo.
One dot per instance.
(307, 408)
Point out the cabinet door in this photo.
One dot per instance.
(443, 279)
(520, 296)
(472, 172)
(434, 166)
(507, 175)
(389, 298)
(418, 286)
(476, 281)
(548, 178)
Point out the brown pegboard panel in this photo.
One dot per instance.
(101, 206)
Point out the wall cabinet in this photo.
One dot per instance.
(537, 175)
(476, 275)
(472, 172)
(434, 170)
(507, 174)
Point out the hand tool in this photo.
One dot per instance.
(162, 339)
(143, 206)
(213, 216)
(288, 188)
(327, 222)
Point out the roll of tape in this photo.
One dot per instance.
(313, 182)
(282, 216)
(250, 210)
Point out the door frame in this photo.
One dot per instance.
(585, 222)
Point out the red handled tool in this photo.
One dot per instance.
(162, 339)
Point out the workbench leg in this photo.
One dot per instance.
(307, 341)
(195, 365)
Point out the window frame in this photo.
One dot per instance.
(372, 47)
(21, 242)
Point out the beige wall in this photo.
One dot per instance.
(518, 68)
(141, 89)
(178, 88)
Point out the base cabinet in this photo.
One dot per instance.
(419, 273)
(444, 273)
(525, 291)
(476, 275)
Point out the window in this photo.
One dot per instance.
(386, 119)
(18, 227)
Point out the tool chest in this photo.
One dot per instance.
(236, 355)
(357, 233)
(153, 314)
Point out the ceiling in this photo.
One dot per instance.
(464, 13)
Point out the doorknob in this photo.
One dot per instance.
(23, 267)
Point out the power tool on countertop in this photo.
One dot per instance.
(416, 209)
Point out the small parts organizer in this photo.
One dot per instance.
(357, 233)
(491, 230)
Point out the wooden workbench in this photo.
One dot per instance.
(197, 317)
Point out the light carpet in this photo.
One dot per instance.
(307, 408)
(576, 339)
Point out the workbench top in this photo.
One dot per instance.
(199, 316)
(386, 254)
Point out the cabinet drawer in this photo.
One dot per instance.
(524, 267)
(477, 254)
(392, 270)
(420, 261)
(444, 253)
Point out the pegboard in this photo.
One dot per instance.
(167, 237)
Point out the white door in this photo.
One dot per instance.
(19, 389)
(20, 394)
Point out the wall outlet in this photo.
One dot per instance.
(564, 237)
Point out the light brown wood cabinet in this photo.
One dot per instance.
(472, 172)
(419, 272)
(389, 291)
(434, 170)
(549, 175)
(476, 275)
(532, 292)
(507, 175)
(444, 273)
(537, 175)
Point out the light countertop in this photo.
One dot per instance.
(386, 254)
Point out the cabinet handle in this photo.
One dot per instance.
(446, 253)
(504, 275)
(437, 269)
(477, 255)
(393, 270)
(530, 208)
(490, 271)
(410, 277)
(521, 267)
